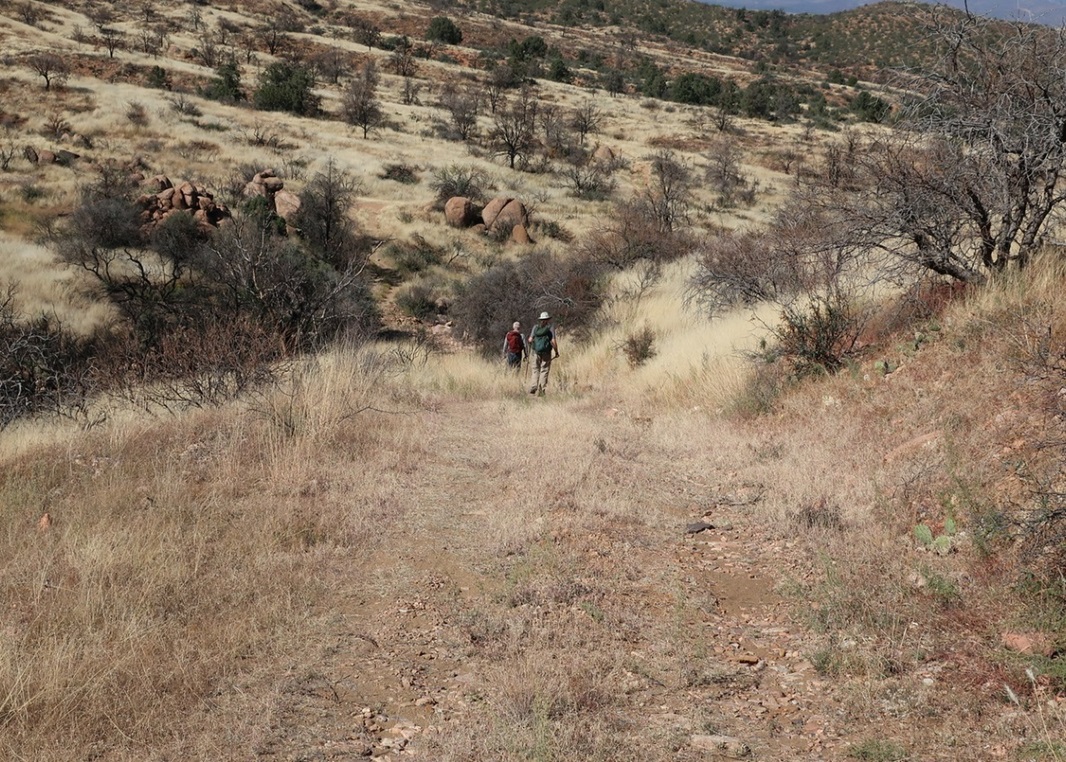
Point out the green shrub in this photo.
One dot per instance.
(453, 180)
(286, 86)
(443, 29)
(870, 108)
(226, 86)
(159, 78)
(416, 300)
(400, 173)
(261, 211)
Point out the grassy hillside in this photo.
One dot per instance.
(228, 537)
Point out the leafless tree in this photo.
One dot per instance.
(361, 106)
(43, 368)
(8, 151)
(808, 265)
(724, 174)
(29, 13)
(101, 15)
(402, 59)
(226, 30)
(721, 117)
(409, 94)
(554, 129)
(332, 64)
(500, 79)
(669, 190)
(274, 36)
(589, 179)
(153, 39)
(113, 39)
(586, 119)
(55, 125)
(971, 180)
(630, 235)
(207, 49)
(53, 69)
(462, 105)
(514, 127)
(324, 217)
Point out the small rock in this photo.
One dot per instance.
(727, 745)
(1028, 643)
(698, 526)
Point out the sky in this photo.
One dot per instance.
(1049, 12)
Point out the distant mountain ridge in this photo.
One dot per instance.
(1047, 12)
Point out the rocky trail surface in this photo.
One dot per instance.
(585, 586)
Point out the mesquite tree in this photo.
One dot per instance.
(972, 180)
(967, 185)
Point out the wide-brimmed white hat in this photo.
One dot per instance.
(544, 316)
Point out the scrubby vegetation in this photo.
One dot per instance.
(269, 490)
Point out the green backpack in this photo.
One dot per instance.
(542, 339)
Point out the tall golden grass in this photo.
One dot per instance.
(177, 549)
(188, 554)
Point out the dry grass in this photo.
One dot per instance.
(192, 553)
(44, 286)
(564, 501)
(178, 550)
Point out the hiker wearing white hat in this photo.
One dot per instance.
(542, 350)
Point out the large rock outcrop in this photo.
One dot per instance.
(165, 199)
(504, 212)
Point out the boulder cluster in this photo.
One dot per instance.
(164, 199)
(44, 156)
(503, 216)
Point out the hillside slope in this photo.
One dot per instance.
(386, 547)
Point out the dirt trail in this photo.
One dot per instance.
(437, 635)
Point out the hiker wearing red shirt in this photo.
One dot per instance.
(514, 347)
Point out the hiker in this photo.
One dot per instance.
(541, 345)
(514, 347)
